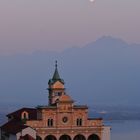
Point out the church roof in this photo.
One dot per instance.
(65, 98)
(13, 127)
(80, 107)
(17, 114)
(95, 118)
(56, 74)
(56, 77)
(46, 107)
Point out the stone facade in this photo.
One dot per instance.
(63, 120)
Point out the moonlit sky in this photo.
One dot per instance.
(31, 25)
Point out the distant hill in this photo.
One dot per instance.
(106, 71)
(115, 112)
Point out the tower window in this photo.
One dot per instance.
(79, 122)
(50, 122)
(58, 93)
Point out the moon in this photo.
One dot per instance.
(92, 0)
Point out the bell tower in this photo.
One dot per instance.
(55, 87)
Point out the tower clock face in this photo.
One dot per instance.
(65, 119)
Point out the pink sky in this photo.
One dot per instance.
(30, 25)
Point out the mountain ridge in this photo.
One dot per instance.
(104, 74)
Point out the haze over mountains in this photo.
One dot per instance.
(105, 72)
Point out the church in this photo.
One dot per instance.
(61, 119)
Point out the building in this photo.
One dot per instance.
(16, 128)
(61, 119)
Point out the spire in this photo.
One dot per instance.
(56, 74)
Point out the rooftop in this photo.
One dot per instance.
(13, 127)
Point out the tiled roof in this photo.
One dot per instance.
(17, 114)
(95, 118)
(46, 107)
(13, 127)
(65, 98)
(80, 106)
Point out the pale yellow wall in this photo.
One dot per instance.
(57, 85)
(70, 127)
(57, 116)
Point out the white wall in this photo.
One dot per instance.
(106, 133)
(18, 135)
(28, 131)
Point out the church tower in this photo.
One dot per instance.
(62, 119)
(55, 87)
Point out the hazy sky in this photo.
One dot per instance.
(27, 26)
(30, 25)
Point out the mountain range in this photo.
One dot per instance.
(106, 71)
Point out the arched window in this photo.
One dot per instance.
(38, 138)
(50, 122)
(25, 115)
(65, 137)
(79, 122)
(79, 137)
(93, 137)
(50, 137)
